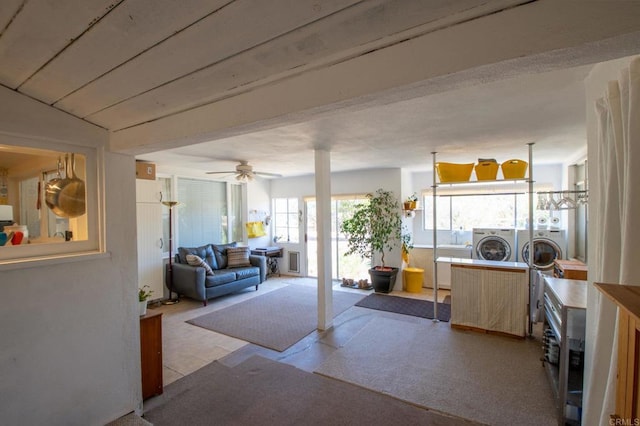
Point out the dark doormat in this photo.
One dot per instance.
(405, 306)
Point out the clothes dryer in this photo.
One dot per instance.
(494, 244)
(550, 244)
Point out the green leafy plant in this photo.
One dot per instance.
(412, 198)
(144, 293)
(376, 226)
(407, 245)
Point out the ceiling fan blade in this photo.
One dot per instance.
(230, 172)
(268, 174)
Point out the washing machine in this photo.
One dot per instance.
(494, 244)
(550, 244)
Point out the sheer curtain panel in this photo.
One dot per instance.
(613, 253)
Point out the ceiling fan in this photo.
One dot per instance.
(244, 172)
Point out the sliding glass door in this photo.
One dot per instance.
(351, 266)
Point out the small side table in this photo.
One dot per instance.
(151, 353)
(272, 254)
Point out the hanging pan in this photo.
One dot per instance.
(66, 197)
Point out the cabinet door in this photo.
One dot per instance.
(150, 262)
(148, 191)
(151, 354)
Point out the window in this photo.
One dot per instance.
(286, 220)
(202, 212)
(208, 212)
(477, 211)
(49, 200)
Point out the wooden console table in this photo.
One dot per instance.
(151, 353)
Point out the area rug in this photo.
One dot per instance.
(263, 392)
(490, 379)
(275, 320)
(405, 306)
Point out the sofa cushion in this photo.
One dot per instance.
(194, 260)
(205, 253)
(220, 251)
(219, 277)
(237, 257)
(246, 272)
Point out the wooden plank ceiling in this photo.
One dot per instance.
(121, 63)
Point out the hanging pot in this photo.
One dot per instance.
(66, 197)
(51, 188)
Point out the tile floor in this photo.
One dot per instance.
(186, 348)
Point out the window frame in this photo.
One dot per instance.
(24, 255)
(291, 216)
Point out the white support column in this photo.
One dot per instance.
(323, 219)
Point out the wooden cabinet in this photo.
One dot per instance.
(569, 269)
(565, 305)
(151, 353)
(627, 298)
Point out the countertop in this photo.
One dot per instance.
(483, 263)
(571, 293)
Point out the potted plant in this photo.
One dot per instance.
(411, 203)
(375, 227)
(144, 294)
(407, 245)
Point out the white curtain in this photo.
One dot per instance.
(613, 256)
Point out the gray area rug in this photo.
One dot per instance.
(406, 306)
(264, 392)
(275, 320)
(490, 379)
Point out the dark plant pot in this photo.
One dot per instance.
(383, 280)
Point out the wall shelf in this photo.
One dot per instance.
(482, 187)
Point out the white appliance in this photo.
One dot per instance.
(444, 267)
(6, 216)
(550, 244)
(494, 244)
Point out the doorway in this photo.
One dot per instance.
(351, 266)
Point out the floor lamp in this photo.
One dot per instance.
(171, 205)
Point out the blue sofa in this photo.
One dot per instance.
(195, 283)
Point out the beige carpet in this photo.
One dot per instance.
(277, 319)
(486, 378)
(265, 392)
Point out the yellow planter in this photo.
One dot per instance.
(413, 278)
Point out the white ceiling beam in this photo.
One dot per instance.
(535, 37)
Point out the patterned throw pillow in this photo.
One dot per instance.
(194, 260)
(238, 256)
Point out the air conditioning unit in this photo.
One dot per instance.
(294, 261)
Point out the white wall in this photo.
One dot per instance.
(70, 350)
(357, 182)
